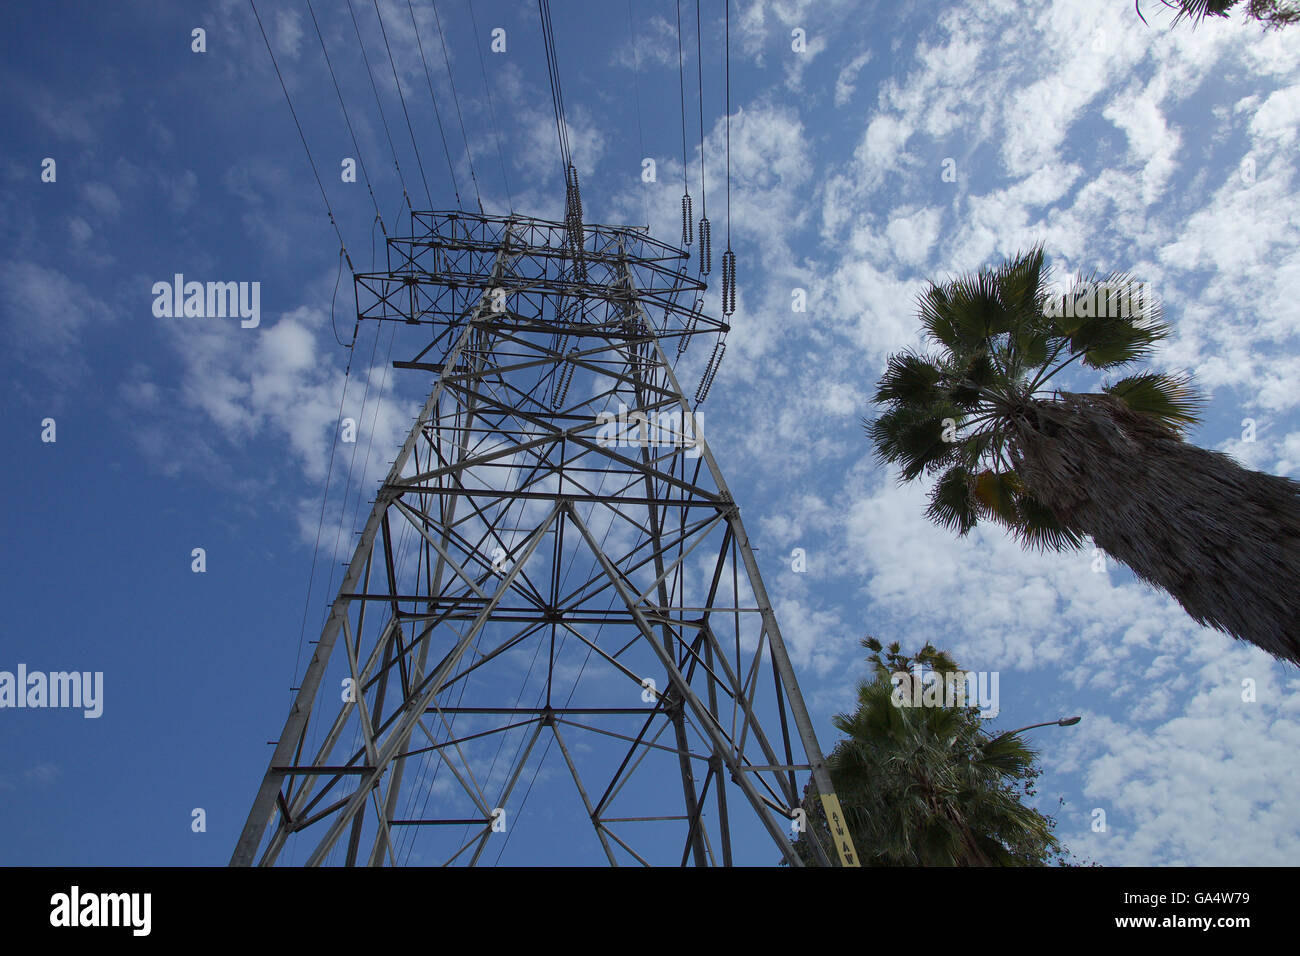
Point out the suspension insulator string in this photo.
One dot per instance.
(706, 247)
(728, 282)
(710, 370)
(573, 220)
(688, 221)
(728, 257)
(692, 319)
(565, 379)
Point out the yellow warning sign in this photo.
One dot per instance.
(839, 830)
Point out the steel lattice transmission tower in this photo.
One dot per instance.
(554, 558)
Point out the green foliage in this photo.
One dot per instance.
(1166, 398)
(1273, 14)
(926, 786)
(998, 338)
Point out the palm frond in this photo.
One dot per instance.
(912, 438)
(911, 379)
(951, 503)
(1041, 529)
(1121, 322)
(1020, 283)
(933, 311)
(996, 492)
(1198, 10)
(1170, 399)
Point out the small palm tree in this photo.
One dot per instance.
(924, 786)
(1057, 468)
(1272, 13)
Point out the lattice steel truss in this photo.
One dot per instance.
(553, 558)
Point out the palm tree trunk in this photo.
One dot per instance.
(1223, 540)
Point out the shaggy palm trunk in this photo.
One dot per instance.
(1223, 540)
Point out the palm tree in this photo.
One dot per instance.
(1058, 467)
(1274, 14)
(924, 786)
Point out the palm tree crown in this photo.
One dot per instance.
(1271, 13)
(1058, 467)
(925, 786)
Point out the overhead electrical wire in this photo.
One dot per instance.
(636, 96)
(496, 129)
(433, 99)
(348, 120)
(572, 194)
(379, 104)
(728, 257)
(456, 100)
(301, 135)
(334, 298)
(688, 216)
(706, 239)
(402, 97)
(553, 75)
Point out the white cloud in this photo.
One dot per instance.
(844, 83)
(1278, 116)
(49, 315)
(288, 33)
(912, 236)
(540, 154)
(102, 199)
(653, 44)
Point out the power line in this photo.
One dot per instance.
(687, 215)
(328, 210)
(496, 129)
(437, 115)
(572, 193)
(384, 119)
(553, 74)
(456, 99)
(728, 257)
(346, 119)
(727, 74)
(706, 237)
(334, 299)
(636, 94)
(409, 128)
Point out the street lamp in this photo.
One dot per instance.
(1063, 722)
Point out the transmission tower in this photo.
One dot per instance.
(553, 559)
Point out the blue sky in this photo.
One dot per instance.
(1166, 153)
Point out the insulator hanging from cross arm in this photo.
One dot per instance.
(706, 247)
(710, 370)
(688, 221)
(573, 195)
(564, 379)
(572, 203)
(728, 282)
(573, 221)
(691, 320)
